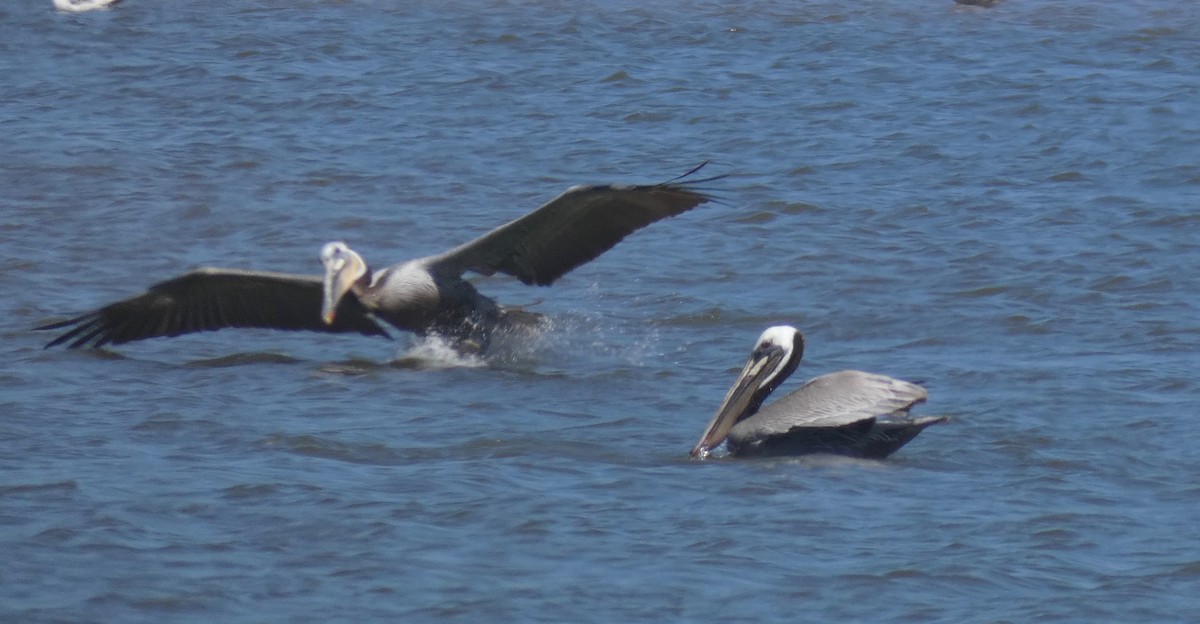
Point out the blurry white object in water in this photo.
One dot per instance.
(79, 6)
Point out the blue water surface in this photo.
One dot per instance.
(1003, 203)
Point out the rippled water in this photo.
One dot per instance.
(1003, 203)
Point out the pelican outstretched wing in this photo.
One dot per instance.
(570, 230)
(210, 299)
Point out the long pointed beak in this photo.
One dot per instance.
(337, 282)
(737, 400)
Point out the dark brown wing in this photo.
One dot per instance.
(570, 230)
(211, 299)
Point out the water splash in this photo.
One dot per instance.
(435, 352)
(578, 342)
(560, 342)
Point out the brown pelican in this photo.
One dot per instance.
(427, 295)
(844, 413)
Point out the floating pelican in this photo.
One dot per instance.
(79, 6)
(844, 413)
(427, 296)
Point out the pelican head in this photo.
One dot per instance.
(776, 355)
(343, 268)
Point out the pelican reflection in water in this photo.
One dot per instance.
(427, 296)
(844, 413)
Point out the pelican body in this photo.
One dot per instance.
(426, 296)
(844, 413)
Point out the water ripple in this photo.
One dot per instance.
(1000, 202)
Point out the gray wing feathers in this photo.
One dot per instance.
(570, 230)
(834, 400)
(211, 299)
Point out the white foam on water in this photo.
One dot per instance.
(434, 352)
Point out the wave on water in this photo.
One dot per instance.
(243, 359)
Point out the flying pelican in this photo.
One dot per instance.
(844, 413)
(427, 296)
(79, 6)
